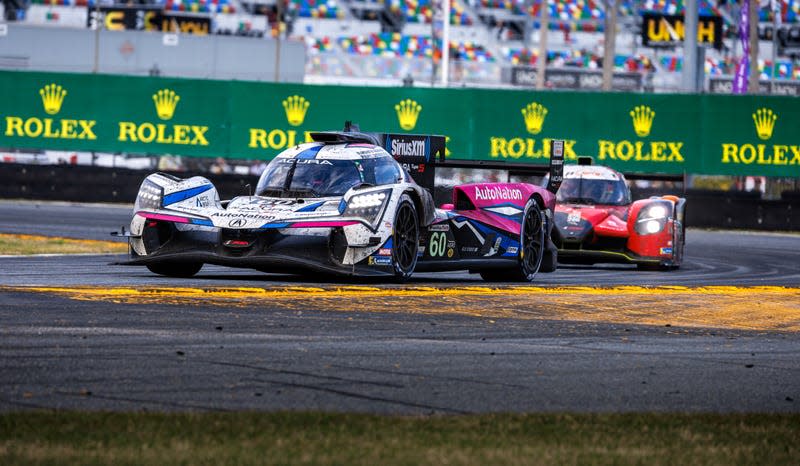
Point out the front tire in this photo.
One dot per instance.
(176, 269)
(405, 239)
(532, 246)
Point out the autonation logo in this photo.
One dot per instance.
(496, 192)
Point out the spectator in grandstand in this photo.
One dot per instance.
(220, 166)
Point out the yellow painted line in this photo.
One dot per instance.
(746, 308)
(20, 244)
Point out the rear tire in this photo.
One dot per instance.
(405, 239)
(532, 248)
(176, 269)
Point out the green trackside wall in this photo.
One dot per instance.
(696, 134)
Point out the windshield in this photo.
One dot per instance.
(285, 177)
(593, 191)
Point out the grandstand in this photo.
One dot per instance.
(384, 42)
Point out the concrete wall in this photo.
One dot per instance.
(38, 48)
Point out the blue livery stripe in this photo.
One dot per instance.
(309, 153)
(202, 221)
(186, 194)
(275, 225)
(311, 207)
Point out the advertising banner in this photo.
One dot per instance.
(148, 18)
(659, 30)
(632, 132)
(563, 78)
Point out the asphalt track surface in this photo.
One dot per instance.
(368, 354)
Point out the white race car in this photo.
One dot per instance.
(347, 205)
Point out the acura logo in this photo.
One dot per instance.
(237, 222)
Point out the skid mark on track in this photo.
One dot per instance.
(747, 308)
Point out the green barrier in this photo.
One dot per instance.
(644, 133)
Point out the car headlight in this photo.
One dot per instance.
(150, 196)
(368, 205)
(652, 218)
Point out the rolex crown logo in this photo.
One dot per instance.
(407, 113)
(166, 100)
(642, 120)
(296, 108)
(52, 98)
(765, 122)
(534, 114)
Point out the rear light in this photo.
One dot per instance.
(237, 243)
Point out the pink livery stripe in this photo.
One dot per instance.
(166, 218)
(322, 224)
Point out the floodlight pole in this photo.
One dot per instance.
(544, 27)
(690, 18)
(610, 43)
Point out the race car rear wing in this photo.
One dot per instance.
(421, 154)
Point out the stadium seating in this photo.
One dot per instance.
(399, 45)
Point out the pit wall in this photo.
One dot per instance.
(634, 133)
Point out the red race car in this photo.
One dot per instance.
(596, 221)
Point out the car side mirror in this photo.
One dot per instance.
(447, 207)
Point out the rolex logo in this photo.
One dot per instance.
(764, 119)
(166, 100)
(296, 108)
(407, 113)
(52, 98)
(642, 120)
(534, 114)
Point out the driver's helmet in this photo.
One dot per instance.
(596, 190)
(610, 193)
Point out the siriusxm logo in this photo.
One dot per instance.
(413, 148)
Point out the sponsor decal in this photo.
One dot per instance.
(469, 249)
(574, 218)
(385, 251)
(410, 148)
(53, 96)
(237, 222)
(512, 250)
(518, 147)
(166, 103)
(379, 260)
(450, 252)
(439, 227)
(296, 108)
(642, 118)
(497, 192)
(451, 244)
(240, 215)
(534, 114)
(660, 30)
(201, 201)
(533, 117)
(764, 120)
(665, 251)
(306, 161)
(407, 113)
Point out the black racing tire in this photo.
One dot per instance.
(176, 269)
(532, 249)
(405, 238)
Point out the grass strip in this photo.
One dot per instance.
(88, 438)
(23, 245)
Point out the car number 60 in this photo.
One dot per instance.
(438, 244)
